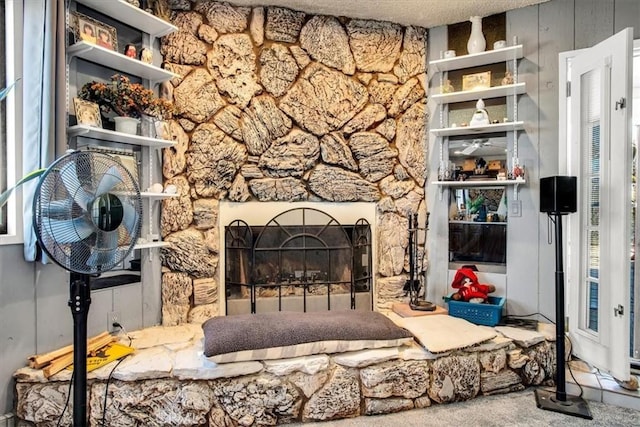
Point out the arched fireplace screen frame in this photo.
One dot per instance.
(301, 252)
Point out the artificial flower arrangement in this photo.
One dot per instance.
(126, 99)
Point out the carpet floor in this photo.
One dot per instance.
(513, 409)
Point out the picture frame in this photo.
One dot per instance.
(87, 113)
(476, 81)
(90, 30)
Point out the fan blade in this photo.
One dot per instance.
(69, 231)
(130, 219)
(470, 149)
(60, 209)
(110, 179)
(105, 249)
(73, 186)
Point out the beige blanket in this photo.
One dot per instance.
(441, 332)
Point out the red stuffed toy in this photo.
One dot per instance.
(466, 282)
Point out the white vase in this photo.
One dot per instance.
(127, 125)
(476, 43)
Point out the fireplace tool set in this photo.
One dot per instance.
(416, 266)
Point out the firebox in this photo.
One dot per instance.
(302, 259)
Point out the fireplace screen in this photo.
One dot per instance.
(301, 260)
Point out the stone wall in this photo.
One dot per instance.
(278, 105)
(167, 382)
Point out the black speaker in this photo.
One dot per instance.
(558, 194)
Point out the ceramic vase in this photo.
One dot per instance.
(127, 125)
(476, 43)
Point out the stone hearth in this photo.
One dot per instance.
(167, 381)
(276, 105)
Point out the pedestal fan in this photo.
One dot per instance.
(87, 217)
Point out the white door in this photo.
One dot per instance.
(599, 237)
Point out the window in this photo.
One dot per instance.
(10, 118)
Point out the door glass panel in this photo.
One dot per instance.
(590, 118)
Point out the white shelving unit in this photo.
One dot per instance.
(471, 95)
(128, 14)
(118, 137)
(505, 54)
(478, 130)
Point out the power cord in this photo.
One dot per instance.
(106, 388)
(66, 403)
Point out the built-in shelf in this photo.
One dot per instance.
(476, 59)
(455, 221)
(156, 196)
(122, 11)
(478, 130)
(472, 95)
(112, 59)
(119, 137)
(151, 245)
(480, 183)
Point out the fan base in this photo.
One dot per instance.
(573, 405)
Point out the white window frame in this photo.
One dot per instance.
(14, 32)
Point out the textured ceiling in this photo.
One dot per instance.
(424, 13)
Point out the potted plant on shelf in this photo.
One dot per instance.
(128, 101)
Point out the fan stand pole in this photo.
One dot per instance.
(560, 401)
(79, 302)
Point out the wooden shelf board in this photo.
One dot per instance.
(477, 59)
(113, 136)
(124, 12)
(492, 92)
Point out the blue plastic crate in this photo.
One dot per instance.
(488, 314)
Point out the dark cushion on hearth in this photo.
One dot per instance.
(284, 334)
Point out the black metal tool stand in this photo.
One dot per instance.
(79, 302)
(413, 285)
(560, 401)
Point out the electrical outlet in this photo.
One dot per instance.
(112, 317)
(515, 208)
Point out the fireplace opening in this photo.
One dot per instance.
(302, 259)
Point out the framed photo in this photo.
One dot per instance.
(95, 32)
(476, 81)
(87, 113)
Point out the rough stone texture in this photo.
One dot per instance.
(541, 364)
(279, 69)
(228, 120)
(183, 48)
(422, 402)
(232, 62)
(410, 203)
(325, 39)
(337, 185)
(388, 78)
(381, 92)
(207, 33)
(386, 406)
(455, 378)
(290, 155)
(503, 380)
(405, 97)
(179, 4)
(146, 403)
(219, 418)
(251, 170)
(278, 189)
(408, 379)
(256, 27)
(373, 113)
(224, 17)
(213, 161)
(493, 361)
(181, 70)
(275, 400)
(516, 359)
(188, 21)
(323, 100)
(197, 97)
(239, 190)
(202, 313)
(392, 235)
(411, 141)
(173, 159)
(186, 125)
(374, 155)
(188, 253)
(338, 398)
(283, 25)
(205, 213)
(335, 151)
(177, 212)
(43, 403)
(375, 44)
(394, 188)
(300, 56)
(387, 129)
(413, 58)
(309, 384)
(205, 291)
(212, 240)
(262, 123)
(176, 293)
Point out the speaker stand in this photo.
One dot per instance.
(559, 401)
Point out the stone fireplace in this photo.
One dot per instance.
(279, 106)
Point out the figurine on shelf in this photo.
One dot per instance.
(130, 51)
(507, 79)
(447, 87)
(480, 116)
(146, 55)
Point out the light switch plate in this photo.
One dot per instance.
(515, 208)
